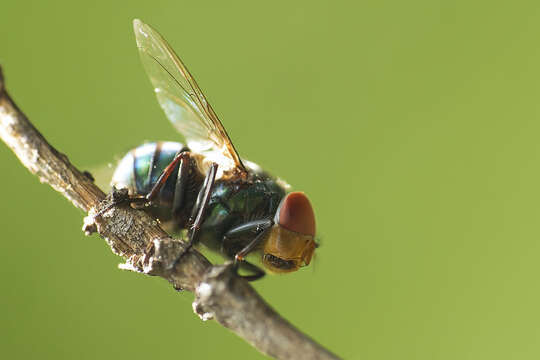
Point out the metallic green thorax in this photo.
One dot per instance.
(234, 204)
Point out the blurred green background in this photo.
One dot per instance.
(413, 126)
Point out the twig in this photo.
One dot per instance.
(134, 235)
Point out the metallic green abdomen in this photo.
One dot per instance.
(234, 204)
(140, 169)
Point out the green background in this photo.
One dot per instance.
(412, 125)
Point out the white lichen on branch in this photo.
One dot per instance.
(134, 235)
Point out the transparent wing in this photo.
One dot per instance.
(181, 98)
(103, 174)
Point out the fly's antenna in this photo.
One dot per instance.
(315, 259)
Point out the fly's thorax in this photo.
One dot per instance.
(226, 167)
(233, 203)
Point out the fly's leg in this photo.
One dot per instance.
(257, 230)
(181, 183)
(199, 209)
(201, 204)
(183, 158)
(249, 230)
(256, 272)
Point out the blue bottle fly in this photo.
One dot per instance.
(203, 187)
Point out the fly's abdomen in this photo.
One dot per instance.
(140, 169)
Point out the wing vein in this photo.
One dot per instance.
(184, 102)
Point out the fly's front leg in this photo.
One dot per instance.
(256, 272)
(257, 231)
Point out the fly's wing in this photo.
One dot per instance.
(102, 174)
(182, 100)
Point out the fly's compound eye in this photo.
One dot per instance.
(296, 214)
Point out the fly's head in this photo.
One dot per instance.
(290, 244)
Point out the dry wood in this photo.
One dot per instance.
(132, 234)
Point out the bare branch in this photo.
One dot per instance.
(134, 235)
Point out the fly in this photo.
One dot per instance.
(203, 187)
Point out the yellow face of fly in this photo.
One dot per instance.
(287, 251)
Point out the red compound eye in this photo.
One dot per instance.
(296, 214)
